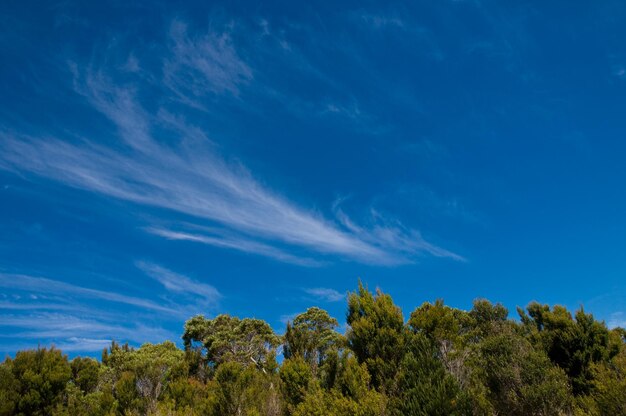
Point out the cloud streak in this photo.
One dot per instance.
(56, 327)
(202, 65)
(54, 287)
(185, 175)
(177, 283)
(235, 243)
(326, 294)
(78, 318)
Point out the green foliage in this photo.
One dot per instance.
(521, 380)
(295, 376)
(487, 318)
(85, 373)
(320, 402)
(77, 403)
(34, 382)
(376, 334)
(353, 379)
(439, 322)
(443, 361)
(242, 390)
(139, 377)
(311, 336)
(609, 391)
(424, 387)
(154, 366)
(189, 396)
(228, 338)
(9, 389)
(573, 345)
(127, 395)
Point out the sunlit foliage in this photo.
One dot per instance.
(442, 361)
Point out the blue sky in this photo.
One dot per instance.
(161, 160)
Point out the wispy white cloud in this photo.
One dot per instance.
(72, 344)
(49, 286)
(205, 64)
(46, 311)
(57, 327)
(326, 294)
(236, 243)
(81, 344)
(33, 306)
(205, 187)
(54, 312)
(186, 175)
(177, 283)
(394, 236)
(61, 296)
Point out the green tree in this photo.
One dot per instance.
(609, 392)
(423, 385)
(295, 376)
(487, 318)
(352, 380)
(311, 336)
(33, 383)
(85, 373)
(320, 402)
(439, 322)
(140, 376)
(189, 396)
(9, 389)
(573, 345)
(243, 390)
(154, 366)
(448, 329)
(520, 380)
(227, 338)
(77, 403)
(127, 395)
(376, 334)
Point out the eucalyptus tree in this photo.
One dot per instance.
(228, 338)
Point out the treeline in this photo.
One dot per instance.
(441, 361)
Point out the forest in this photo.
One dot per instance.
(437, 361)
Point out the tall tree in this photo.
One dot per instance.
(376, 334)
(424, 387)
(311, 336)
(447, 328)
(228, 338)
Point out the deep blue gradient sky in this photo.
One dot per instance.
(168, 159)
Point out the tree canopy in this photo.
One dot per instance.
(442, 361)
